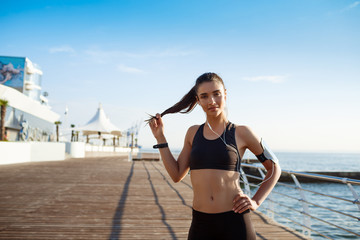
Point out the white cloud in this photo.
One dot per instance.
(148, 54)
(128, 69)
(102, 54)
(171, 53)
(272, 79)
(353, 5)
(64, 49)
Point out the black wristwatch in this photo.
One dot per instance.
(161, 145)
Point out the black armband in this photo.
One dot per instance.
(267, 154)
(261, 157)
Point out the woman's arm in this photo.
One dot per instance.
(243, 202)
(177, 169)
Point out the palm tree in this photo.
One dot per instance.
(72, 133)
(57, 123)
(3, 103)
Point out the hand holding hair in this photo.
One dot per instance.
(157, 127)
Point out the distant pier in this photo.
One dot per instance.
(287, 178)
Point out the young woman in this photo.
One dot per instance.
(213, 151)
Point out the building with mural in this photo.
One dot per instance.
(28, 115)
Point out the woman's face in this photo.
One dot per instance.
(211, 97)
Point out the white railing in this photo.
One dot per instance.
(307, 216)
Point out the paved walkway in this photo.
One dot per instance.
(101, 198)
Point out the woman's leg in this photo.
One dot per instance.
(239, 226)
(201, 225)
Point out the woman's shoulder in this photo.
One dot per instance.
(191, 132)
(241, 127)
(243, 131)
(194, 128)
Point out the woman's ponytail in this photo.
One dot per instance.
(188, 102)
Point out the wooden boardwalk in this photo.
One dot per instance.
(101, 198)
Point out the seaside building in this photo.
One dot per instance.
(30, 122)
(28, 114)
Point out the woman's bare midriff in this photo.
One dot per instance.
(214, 190)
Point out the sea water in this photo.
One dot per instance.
(319, 162)
(286, 216)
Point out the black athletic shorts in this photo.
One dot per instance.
(222, 226)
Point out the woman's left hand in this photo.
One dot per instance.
(243, 202)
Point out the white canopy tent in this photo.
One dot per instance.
(100, 124)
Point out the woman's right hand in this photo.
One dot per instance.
(157, 127)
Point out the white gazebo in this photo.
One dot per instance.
(100, 125)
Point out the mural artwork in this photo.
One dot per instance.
(12, 72)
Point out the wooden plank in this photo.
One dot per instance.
(101, 198)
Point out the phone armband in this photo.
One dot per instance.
(267, 154)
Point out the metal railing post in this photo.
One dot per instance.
(306, 218)
(354, 193)
(271, 206)
(313, 229)
(246, 182)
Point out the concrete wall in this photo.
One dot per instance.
(13, 152)
(99, 148)
(47, 151)
(75, 149)
(107, 151)
(19, 152)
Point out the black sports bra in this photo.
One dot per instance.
(214, 154)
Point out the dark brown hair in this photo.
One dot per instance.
(188, 102)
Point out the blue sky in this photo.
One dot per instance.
(291, 68)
